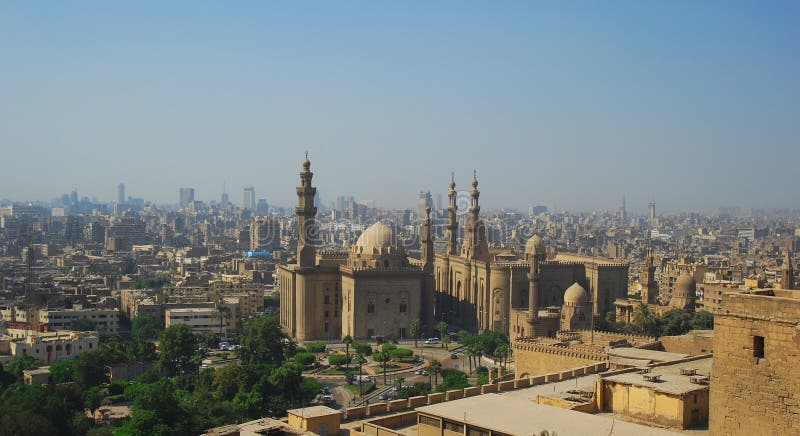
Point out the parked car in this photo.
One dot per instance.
(455, 356)
(327, 399)
(383, 397)
(419, 372)
(432, 341)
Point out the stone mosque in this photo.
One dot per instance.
(375, 289)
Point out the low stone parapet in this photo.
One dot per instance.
(488, 389)
(522, 383)
(435, 398)
(472, 391)
(375, 409)
(422, 400)
(395, 405)
(356, 412)
(454, 394)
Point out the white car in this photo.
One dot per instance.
(431, 341)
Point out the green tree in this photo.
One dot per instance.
(675, 322)
(415, 329)
(435, 369)
(177, 345)
(224, 313)
(452, 379)
(702, 320)
(337, 360)
(347, 341)
(145, 328)
(304, 359)
(226, 382)
(144, 422)
(383, 357)
(92, 398)
(502, 352)
(89, 369)
(442, 327)
(645, 321)
(61, 371)
(19, 363)
(263, 341)
(309, 389)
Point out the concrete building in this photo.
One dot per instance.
(673, 395)
(755, 382)
(321, 420)
(52, 346)
(249, 200)
(201, 320)
(186, 197)
(265, 234)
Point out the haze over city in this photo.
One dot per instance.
(691, 104)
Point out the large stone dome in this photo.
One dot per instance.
(535, 245)
(378, 238)
(576, 295)
(685, 286)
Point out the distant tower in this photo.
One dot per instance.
(428, 281)
(186, 197)
(787, 272)
(475, 246)
(306, 214)
(73, 197)
(121, 193)
(651, 211)
(425, 201)
(624, 213)
(535, 254)
(452, 221)
(249, 198)
(224, 198)
(648, 281)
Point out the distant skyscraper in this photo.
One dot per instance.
(262, 208)
(439, 201)
(651, 211)
(73, 197)
(224, 200)
(425, 201)
(249, 198)
(121, 193)
(186, 196)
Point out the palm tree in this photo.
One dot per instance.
(645, 321)
(399, 381)
(347, 341)
(442, 331)
(360, 358)
(224, 312)
(471, 353)
(502, 351)
(415, 330)
(436, 368)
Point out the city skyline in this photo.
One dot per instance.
(688, 104)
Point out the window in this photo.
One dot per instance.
(327, 299)
(403, 307)
(370, 307)
(454, 426)
(475, 431)
(327, 314)
(370, 333)
(428, 420)
(758, 346)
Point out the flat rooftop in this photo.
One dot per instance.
(517, 416)
(313, 411)
(672, 381)
(642, 354)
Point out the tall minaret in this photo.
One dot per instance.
(452, 222)
(787, 272)
(306, 223)
(535, 253)
(428, 282)
(474, 236)
(648, 281)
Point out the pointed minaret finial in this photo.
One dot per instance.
(306, 154)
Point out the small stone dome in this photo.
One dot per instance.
(376, 239)
(685, 285)
(576, 295)
(535, 245)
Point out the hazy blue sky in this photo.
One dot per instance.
(571, 104)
